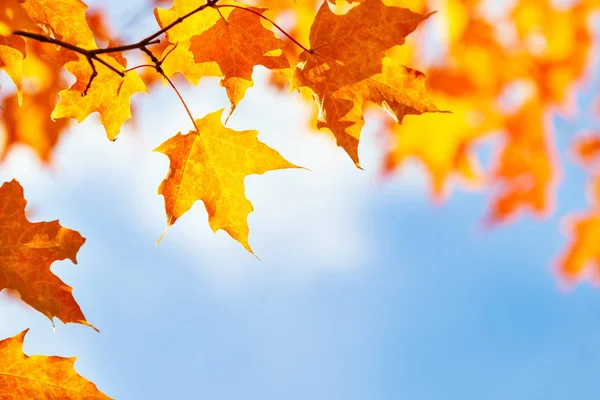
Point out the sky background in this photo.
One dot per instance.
(365, 289)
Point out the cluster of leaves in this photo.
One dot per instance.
(499, 72)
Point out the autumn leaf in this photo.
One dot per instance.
(12, 48)
(560, 58)
(346, 66)
(583, 252)
(109, 94)
(444, 143)
(210, 164)
(237, 45)
(193, 25)
(41, 377)
(26, 252)
(178, 57)
(587, 149)
(62, 19)
(29, 123)
(12, 53)
(525, 169)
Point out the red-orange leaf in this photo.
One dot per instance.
(237, 45)
(210, 165)
(346, 67)
(26, 252)
(41, 377)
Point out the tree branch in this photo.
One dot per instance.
(92, 55)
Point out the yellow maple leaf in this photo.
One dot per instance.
(108, 95)
(346, 66)
(210, 164)
(12, 53)
(179, 58)
(444, 143)
(41, 377)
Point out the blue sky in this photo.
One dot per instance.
(365, 290)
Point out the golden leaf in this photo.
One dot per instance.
(41, 377)
(210, 165)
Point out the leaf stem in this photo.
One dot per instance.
(182, 101)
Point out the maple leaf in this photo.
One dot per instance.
(178, 57)
(109, 94)
(346, 66)
(442, 142)
(210, 164)
(30, 123)
(561, 56)
(525, 169)
(12, 48)
(26, 252)
(583, 251)
(237, 44)
(41, 377)
(62, 19)
(12, 53)
(190, 26)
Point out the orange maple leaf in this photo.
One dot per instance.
(346, 66)
(525, 169)
(30, 123)
(64, 20)
(41, 377)
(12, 48)
(26, 252)
(583, 252)
(210, 164)
(178, 57)
(237, 44)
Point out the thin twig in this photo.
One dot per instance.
(92, 55)
(89, 54)
(127, 47)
